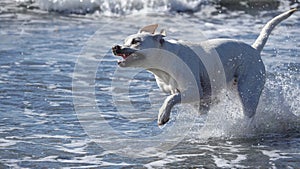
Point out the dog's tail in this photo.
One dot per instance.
(267, 29)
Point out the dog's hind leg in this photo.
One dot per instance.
(250, 86)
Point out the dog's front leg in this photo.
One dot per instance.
(187, 96)
(165, 110)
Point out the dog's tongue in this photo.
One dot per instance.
(124, 56)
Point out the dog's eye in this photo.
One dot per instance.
(135, 41)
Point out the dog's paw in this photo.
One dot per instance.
(163, 116)
(162, 122)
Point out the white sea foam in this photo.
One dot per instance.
(274, 154)
(223, 163)
(116, 6)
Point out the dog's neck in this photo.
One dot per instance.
(170, 45)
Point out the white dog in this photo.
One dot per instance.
(242, 65)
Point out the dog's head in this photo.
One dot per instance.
(146, 38)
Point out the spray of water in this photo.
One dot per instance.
(277, 113)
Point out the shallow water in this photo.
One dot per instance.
(48, 119)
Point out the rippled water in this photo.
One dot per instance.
(40, 50)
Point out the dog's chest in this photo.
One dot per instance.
(165, 82)
(167, 85)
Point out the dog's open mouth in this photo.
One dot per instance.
(124, 56)
(124, 53)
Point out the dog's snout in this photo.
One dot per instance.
(116, 49)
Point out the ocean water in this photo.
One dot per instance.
(64, 103)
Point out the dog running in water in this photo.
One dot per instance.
(241, 62)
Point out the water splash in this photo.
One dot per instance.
(277, 113)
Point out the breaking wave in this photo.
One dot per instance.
(114, 7)
(125, 7)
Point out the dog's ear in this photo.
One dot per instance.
(150, 29)
(163, 33)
